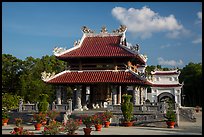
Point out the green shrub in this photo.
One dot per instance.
(127, 107)
(43, 104)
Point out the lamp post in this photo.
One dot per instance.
(183, 97)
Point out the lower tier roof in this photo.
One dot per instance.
(98, 76)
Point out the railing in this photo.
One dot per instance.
(34, 107)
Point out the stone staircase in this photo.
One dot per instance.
(187, 114)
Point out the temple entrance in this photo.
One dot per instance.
(99, 93)
(164, 96)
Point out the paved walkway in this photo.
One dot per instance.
(185, 128)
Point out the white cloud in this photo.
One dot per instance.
(144, 22)
(161, 61)
(170, 45)
(165, 46)
(199, 14)
(197, 41)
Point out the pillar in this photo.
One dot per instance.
(114, 95)
(58, 95)
(78, 105)
(119, 95)
(134, 97)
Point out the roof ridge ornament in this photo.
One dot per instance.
(58, 50)
(86, 30)
(46, 76)
(121, 29)
(103, 29)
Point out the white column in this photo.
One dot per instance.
(58, 95)
(78, 98)
(119, 98)
(114, 95)
(134, 97)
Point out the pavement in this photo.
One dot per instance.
(184, 128)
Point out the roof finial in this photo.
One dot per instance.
(121, 29)
(103, 29)
(86, 30)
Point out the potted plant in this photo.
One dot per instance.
(127, 110)
(22, 132)
(197, 109)
(98, 121)
(18, 122)
(53, 128)
(88, 122)
(71, 126)
(107, 116)
(52, 114)
(170, 116)
(39, 118)
(5, 117)
(43, 104)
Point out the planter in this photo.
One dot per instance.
(106, 124)
(170, 124)
(4, 122)
(38, 126)
(18, 129)
(197, 110)
(98, 127)
(127, 124)
(87, 131)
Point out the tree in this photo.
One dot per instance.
(191, 75)
(11, 70)
(9, 101)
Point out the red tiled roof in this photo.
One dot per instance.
(74, 77)
(107, 46)
(166, 85)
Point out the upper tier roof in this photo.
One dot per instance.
(104, 45)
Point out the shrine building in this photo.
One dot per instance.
(101, 68)
(165, 84)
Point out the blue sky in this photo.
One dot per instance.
(169, 33)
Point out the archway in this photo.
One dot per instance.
(165, 95)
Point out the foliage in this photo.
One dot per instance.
(170, 114)
(39, 117)
(127, 107)
(191, 75)
(52, 114)
(9, 101)
(23, 78)
(53, 128)
(87, 120)
(5, 114)
(43, 104)
(11, 70)
(98, 118)
(18, 121)
(22, 132)
(108, 115)
(71, 126)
